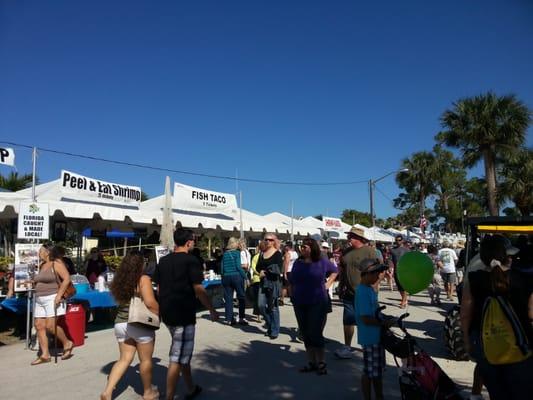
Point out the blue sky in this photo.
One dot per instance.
(274, 90)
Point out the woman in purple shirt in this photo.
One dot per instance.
(310, 278)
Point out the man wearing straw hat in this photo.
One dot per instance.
(350, 278)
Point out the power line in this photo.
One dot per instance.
(232, 178)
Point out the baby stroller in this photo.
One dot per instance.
(420, 378)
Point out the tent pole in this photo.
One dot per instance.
(292, 221)
(240, 208)
(34, 167)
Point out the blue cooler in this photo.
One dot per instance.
(82, 287)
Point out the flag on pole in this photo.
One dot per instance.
(7, 156)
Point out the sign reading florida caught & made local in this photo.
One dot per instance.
(79, 187)
(196, 199)
(33, 221)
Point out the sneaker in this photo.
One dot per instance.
(232, 322)
(242, 321)
(343, 353)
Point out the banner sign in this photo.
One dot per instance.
(33, 222)
(26, 263)
(332, 224)
(7, 156)
(79, 187)
(195, 199)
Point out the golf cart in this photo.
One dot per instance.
(511, 227)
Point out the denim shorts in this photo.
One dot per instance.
(348, 314)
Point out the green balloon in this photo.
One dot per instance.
(415, 271)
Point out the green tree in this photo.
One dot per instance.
(488, 128)
(517, 184)
(14, 182)
(350, 217)
(418, 182)
(450, 178)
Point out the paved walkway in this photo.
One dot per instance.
(230, 363)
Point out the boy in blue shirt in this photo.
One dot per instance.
(369, 327)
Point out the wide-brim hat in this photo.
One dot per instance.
(359, 233)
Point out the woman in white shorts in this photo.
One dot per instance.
(128, 280)
(49, 302)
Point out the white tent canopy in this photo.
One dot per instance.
(300, 228)
(51, 194)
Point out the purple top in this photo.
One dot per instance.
(308, 281)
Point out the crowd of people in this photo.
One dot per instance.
(304, 277)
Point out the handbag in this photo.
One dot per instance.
(69, 291)
(139, 314)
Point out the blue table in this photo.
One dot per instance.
(95, 299)
(216, 282)
(14, 304)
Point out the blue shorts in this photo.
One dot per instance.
(348, 314)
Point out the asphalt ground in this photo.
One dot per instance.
(232, 362)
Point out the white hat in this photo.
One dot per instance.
(324, 245)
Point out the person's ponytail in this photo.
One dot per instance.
(499, 279)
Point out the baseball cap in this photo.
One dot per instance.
(369, 265)
(509, 248)
(324, 245)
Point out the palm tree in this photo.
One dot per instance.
(14, 182)
(418, 182)
(518, 180)
(450, 178)
(486, 127)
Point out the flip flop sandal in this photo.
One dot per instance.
(308, 368)
(41, 360)
(322, 370)
(67, 353)
(197, 390)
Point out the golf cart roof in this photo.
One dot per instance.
(517, 225)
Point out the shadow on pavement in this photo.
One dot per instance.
(132, 378)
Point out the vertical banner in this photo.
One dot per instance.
(26, 263)
(7, 156)
(160, 252)
(33, 221)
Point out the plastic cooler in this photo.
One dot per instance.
(75, 323)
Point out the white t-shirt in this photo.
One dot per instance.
(448, 259)
(293, 257)
(246, 258)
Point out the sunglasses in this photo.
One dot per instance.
(269, 240)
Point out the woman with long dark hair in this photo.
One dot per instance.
(129, 280)
(310, 279)
(50, 284)
(506, 381)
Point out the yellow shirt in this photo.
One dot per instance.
(255, 274)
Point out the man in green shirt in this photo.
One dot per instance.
(350, 278)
